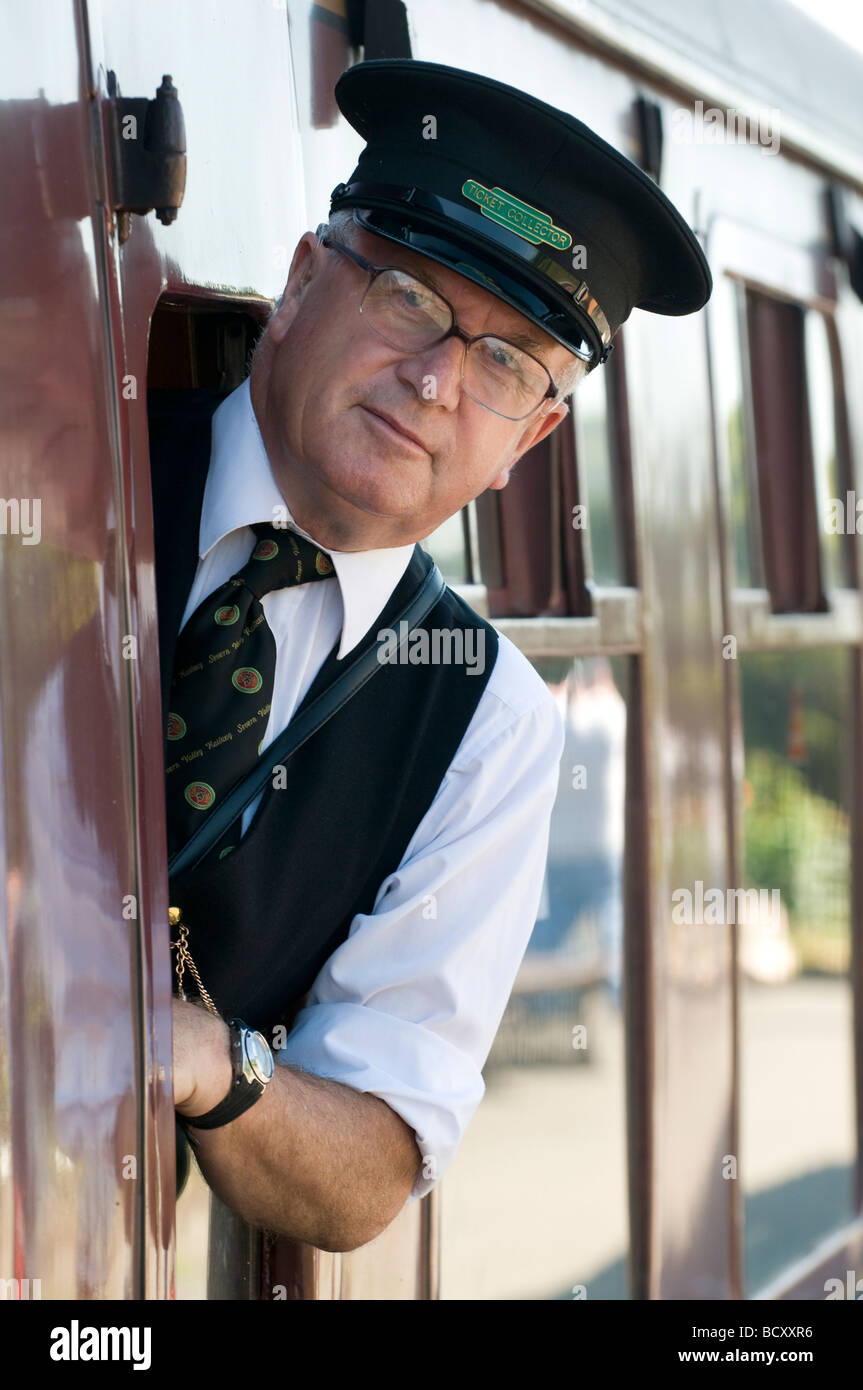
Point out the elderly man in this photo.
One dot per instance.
(366, 914)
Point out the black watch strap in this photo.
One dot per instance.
(235, 1103)
(243, 1093)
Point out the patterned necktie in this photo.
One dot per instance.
(222, 687)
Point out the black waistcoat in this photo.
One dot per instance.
(263, 920)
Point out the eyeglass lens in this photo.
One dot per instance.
(409, 315)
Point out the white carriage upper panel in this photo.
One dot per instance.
(244, 205)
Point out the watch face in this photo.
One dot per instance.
(260, 1057)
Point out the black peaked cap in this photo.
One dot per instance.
(507, 192)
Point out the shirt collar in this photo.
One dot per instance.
(366, 578)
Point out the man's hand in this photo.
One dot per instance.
(202, 1059)
(311, 1159)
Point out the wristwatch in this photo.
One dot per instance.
(254, 1067)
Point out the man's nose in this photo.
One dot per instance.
(435, 373)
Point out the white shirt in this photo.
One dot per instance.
(408, 1006)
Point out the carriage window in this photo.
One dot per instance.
(782, 447)
(789, 520)
(797, 1066)
(560, 521)
(201, 345)
(535, 1204)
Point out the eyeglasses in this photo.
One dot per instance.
(407, 314)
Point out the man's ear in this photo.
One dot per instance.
(299, 276)
(537, 429)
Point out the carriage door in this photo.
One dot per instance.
(192, 113)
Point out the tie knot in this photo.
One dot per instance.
(283, 558)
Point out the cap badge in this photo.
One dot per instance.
(509, 211)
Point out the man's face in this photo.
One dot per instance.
(362, 451)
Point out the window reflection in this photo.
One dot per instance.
(597, 471)
(535, 1203)
(453, 546)
(447, 547)
(731, 428)
(796, 1000)
(829, 484)
(581, 914)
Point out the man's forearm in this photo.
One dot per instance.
(311, 1159)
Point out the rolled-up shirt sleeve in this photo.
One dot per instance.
(408, 1006)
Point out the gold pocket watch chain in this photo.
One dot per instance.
(184, 958)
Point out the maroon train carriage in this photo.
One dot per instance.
(673, 1099)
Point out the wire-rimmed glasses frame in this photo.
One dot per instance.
(454, 331)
